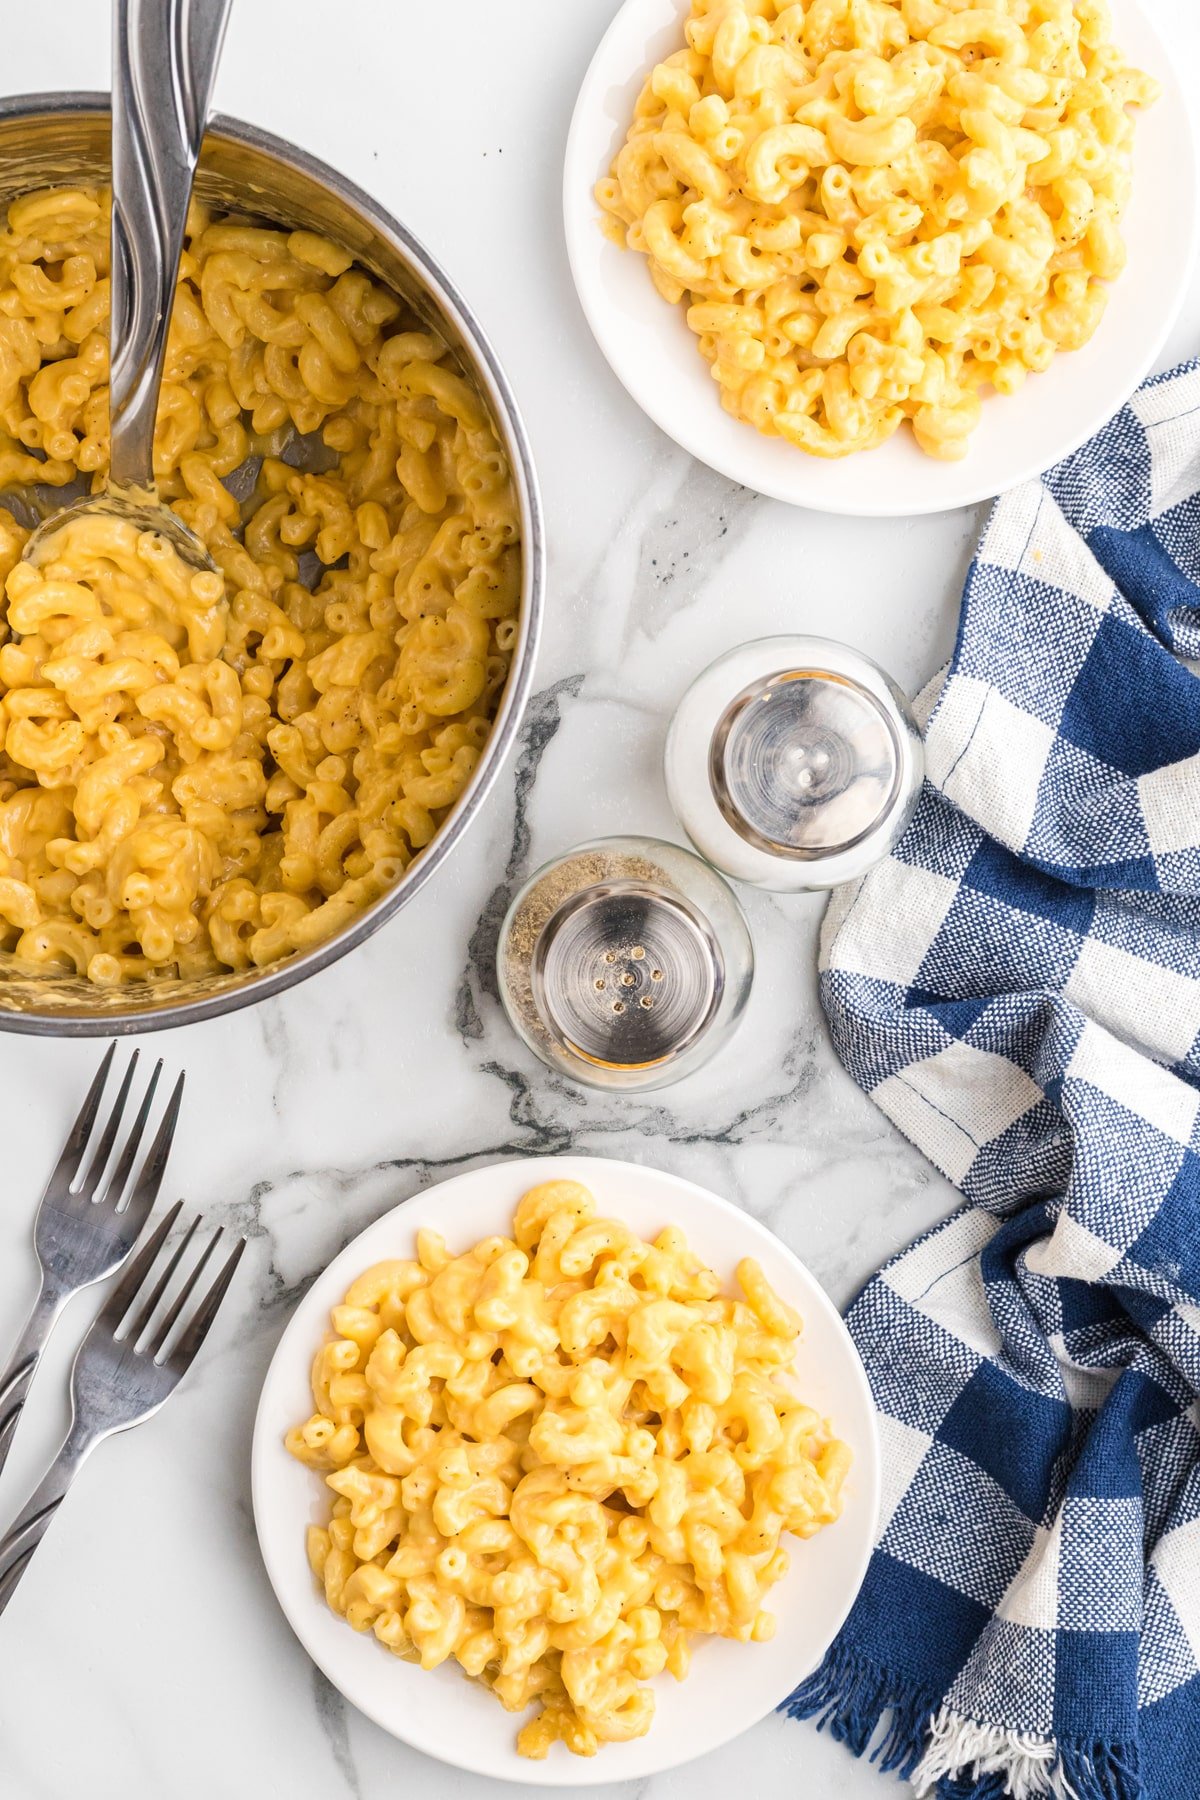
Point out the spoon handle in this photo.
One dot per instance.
(164, 60)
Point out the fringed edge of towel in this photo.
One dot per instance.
(849, 1696)
(946, 1755)
(964, 1760)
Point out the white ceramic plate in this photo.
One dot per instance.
(731, 1686)
(654, 354)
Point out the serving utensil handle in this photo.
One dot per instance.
(32, 1523)
(164, 61)
(19, 1371)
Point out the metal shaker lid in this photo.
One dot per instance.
(805, 762)
(627, 975)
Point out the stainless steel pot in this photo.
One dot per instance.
(64, 138)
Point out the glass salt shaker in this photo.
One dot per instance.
(624, 963)
(794, 763)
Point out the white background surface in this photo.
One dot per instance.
(143, 1657)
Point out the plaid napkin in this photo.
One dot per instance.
(1018, 987)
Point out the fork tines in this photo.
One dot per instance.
(137, 1276)
(71, 1187)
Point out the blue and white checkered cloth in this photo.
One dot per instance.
(1018, 987)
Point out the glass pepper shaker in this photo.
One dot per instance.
(624, 963)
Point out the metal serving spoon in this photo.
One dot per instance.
(164, 62)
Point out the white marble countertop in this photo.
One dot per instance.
(144, 1657)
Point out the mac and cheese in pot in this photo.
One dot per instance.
(202, 773)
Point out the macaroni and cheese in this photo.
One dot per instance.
(208, 772)
(875, 209)
(559, 1456)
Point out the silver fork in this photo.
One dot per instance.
(80, 1234)
(114, 1383)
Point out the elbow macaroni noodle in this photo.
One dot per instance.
(557, 1457)
(876, 208)
(208, 772)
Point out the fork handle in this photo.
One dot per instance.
(32, 1523)
(16, 1377)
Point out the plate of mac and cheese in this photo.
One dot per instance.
(205, 774)
(887, 257)
(566, 1471)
